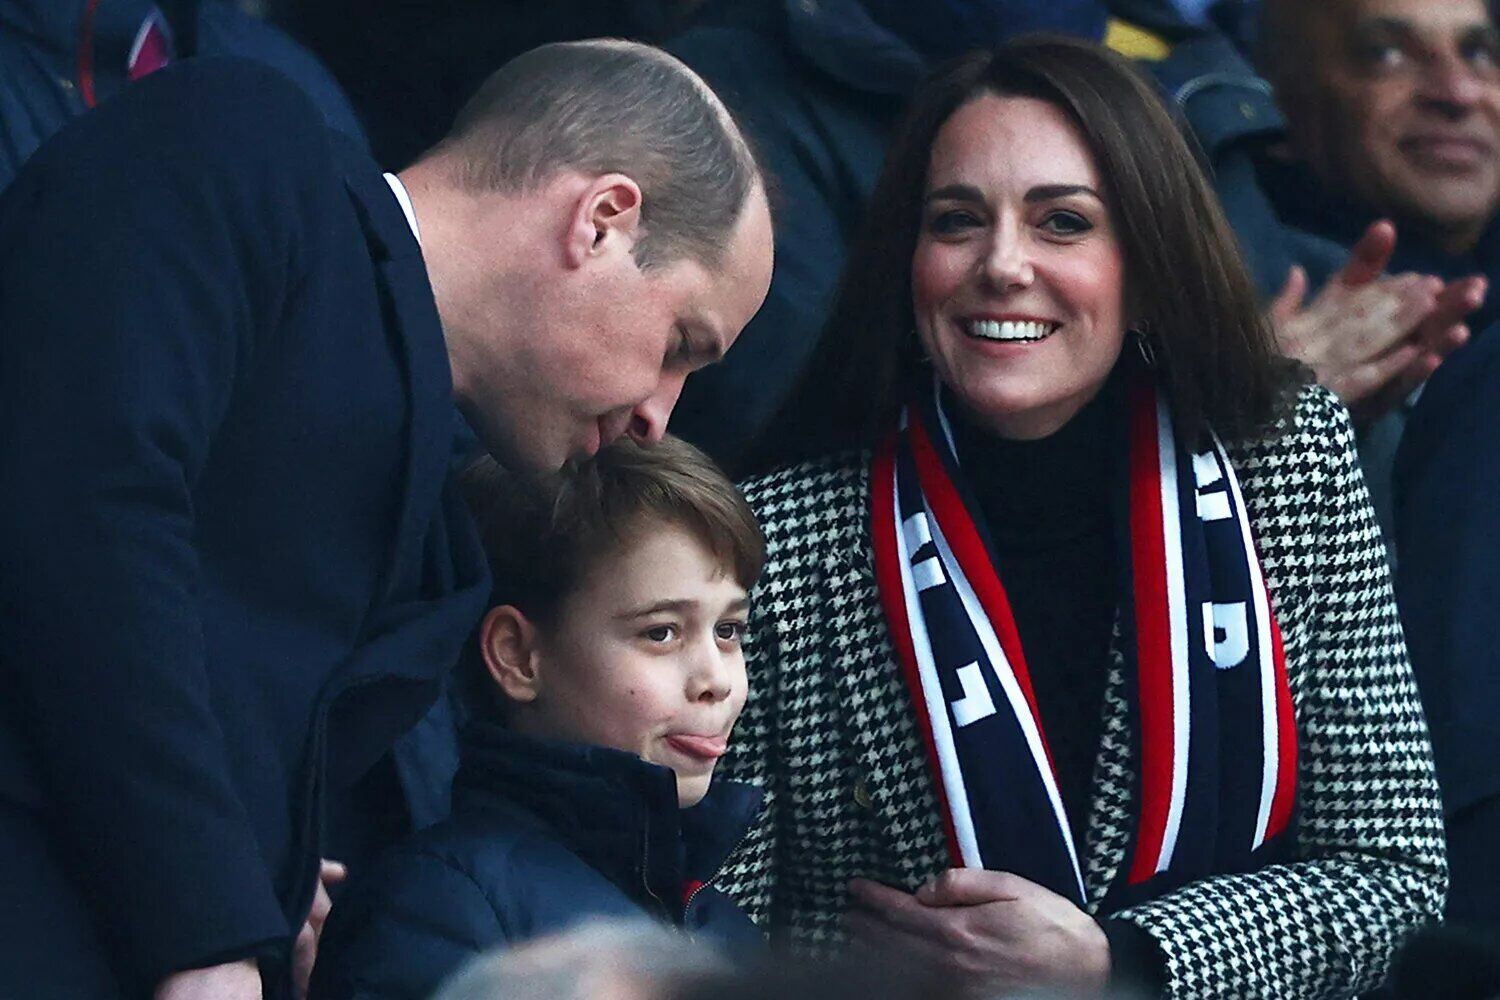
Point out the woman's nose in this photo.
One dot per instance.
(1007, 265)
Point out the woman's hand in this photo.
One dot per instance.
(230, 981)
(996, 928)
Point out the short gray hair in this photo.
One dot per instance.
(609, 106)
(614, 958)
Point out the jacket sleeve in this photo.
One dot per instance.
(405, 926)
(132, 277)
(1371, 866)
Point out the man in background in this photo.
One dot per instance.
(1394, 113)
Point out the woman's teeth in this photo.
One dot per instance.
(1022, 330)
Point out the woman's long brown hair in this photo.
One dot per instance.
(1186, 284)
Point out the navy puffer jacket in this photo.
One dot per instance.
(542, 836)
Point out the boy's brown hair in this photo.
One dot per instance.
(543, 533)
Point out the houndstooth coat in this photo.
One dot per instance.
(830, 733)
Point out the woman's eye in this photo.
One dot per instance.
(1066, 224)
(730, 631)
(661, 633)
(952, 221)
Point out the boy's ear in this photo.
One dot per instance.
(507, 638)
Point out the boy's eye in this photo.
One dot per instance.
(661, 633)
(730, 631)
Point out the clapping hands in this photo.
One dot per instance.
(1373, 338)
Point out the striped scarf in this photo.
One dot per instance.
(1214, 733)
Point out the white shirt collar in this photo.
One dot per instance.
(399, 190)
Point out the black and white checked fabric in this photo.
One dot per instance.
(830, 734)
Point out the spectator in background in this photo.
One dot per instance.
(1448, 584)
(1392, 113)
(408, 67)
(60, 59)
(233, 361)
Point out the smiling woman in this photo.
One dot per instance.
(1065, 669)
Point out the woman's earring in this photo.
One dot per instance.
(923, 358)
(1142, 334)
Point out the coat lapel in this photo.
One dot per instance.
(890, 774)
(411, 323)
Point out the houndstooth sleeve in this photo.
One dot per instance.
(749, 876)
(1371, 863)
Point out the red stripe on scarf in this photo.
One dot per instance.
(969, 549)
(1286, 733)
(883, 528)
(1153, 631)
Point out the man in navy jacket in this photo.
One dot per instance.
(233, 568)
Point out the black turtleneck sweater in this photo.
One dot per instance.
(1047, 507)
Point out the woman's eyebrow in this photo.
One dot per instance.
(955, 192)
(1047, 192)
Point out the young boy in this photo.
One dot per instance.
(608, 676)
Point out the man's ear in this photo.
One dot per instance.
(508, 640)
(606, 217)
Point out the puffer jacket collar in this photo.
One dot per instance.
(614, 810)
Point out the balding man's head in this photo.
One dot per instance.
(608, 106)
(1395, 103)
(594, 229)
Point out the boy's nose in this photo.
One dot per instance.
(710, 682)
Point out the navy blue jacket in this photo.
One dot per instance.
(235, 567)
(1448, 579)
(543, 835)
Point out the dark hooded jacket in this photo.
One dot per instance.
(543, 835)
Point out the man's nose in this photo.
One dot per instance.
(1452, 83)
(1007, 263)
(648, 421)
